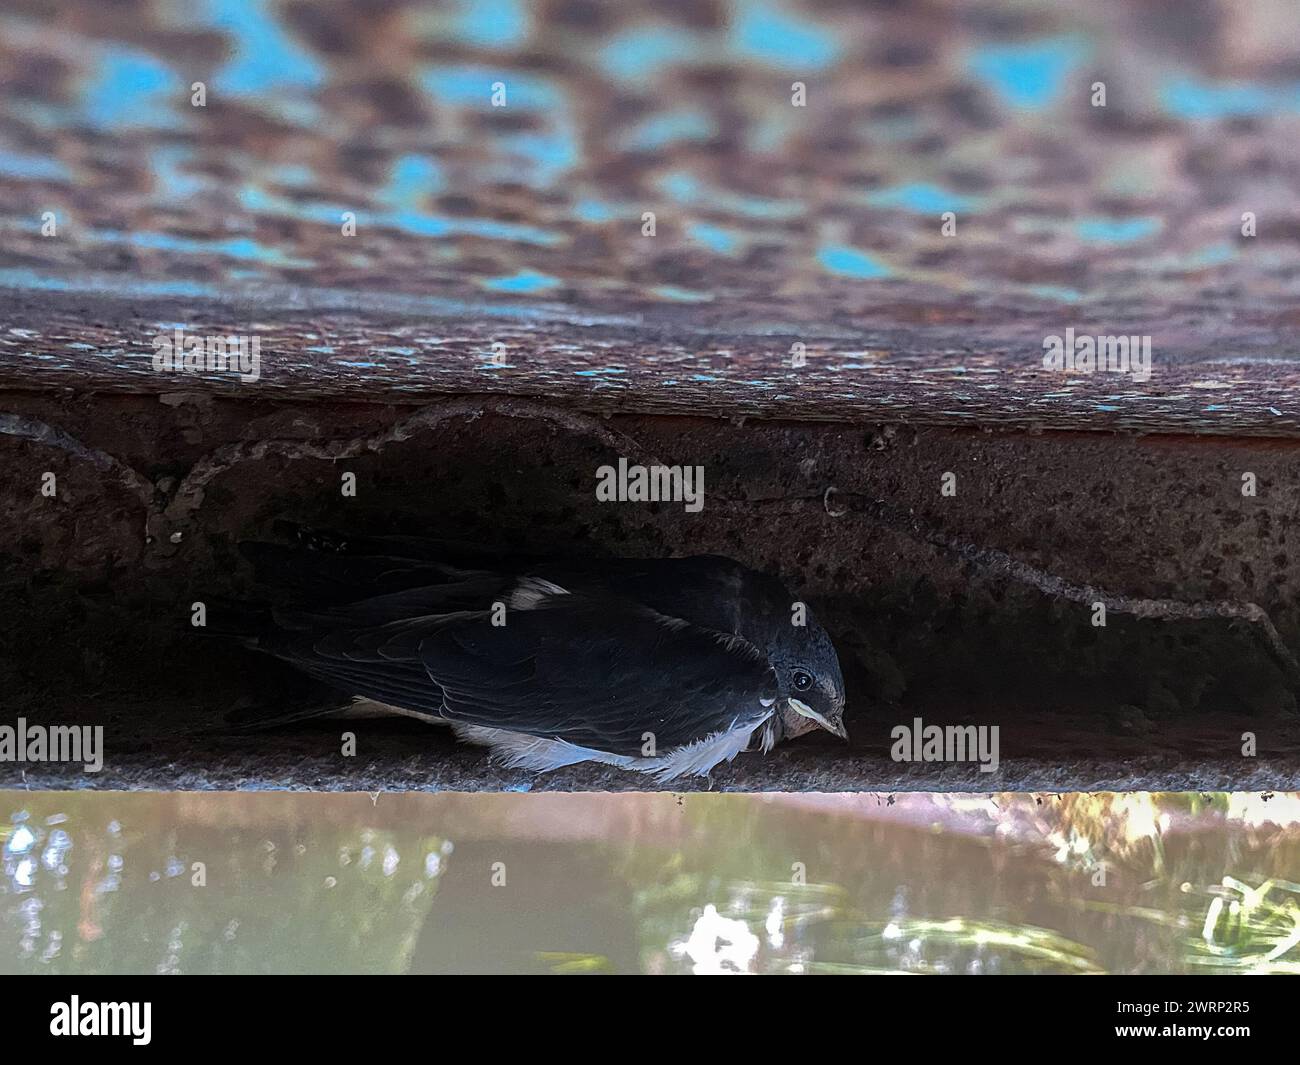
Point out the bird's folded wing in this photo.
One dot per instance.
(596, 671)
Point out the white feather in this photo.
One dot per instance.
(518, 750)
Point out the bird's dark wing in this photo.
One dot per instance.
(595, 671)
(598, 672)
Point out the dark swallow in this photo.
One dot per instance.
(665, 666)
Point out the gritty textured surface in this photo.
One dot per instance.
(500, 257)
(96, 617)
(775, 225)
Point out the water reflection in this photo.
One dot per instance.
(257, 882)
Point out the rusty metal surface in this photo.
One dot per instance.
(521, 225)
(97, 584)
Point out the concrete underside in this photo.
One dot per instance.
(97, 583)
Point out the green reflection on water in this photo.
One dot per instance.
(258, 882)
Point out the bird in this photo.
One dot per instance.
(666, 666)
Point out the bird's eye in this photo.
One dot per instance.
(802, 681)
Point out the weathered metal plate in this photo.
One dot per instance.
(775, 224)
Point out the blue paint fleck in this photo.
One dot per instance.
(471, 85)
(523, 281)
(551, 153)
(920, 198)
(1192, 98)
(765, 32)
(32, 167)
(416, 222)
(850, 262)
(172, 182)
(233, 247)
(593, 211)
(685, 188)
(661, 130)
(638, 54)
(23, 278)
(413, 178)
(1027, 76)
(715, 238)
(1211, 255)
(681, 186)
(265, 56)
(131, 90)
(426, 225)
(492, 23)
(1116, 230)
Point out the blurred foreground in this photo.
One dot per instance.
(260, 882)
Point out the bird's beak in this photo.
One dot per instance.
(835, 728)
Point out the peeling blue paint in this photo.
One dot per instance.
(22, 278)
(413, 178)
(32, 167)
(171, 181)
(523, 281)
(1028, 76)
(132, 89)
(774, 36)
(715, 238)
(551, 153)
(659, 131)
(471, 85)
(920, 198)
(687, 189)
(593, 211)
(850, 262)
(266, 57)
(233, 247)
(1192, 98)
(1116, 230)
(636, 55)
(1210, 255)
(496, 24)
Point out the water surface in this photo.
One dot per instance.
(263, 882)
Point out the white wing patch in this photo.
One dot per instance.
(518, 750)
(700, 757)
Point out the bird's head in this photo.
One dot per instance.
(810, 685)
